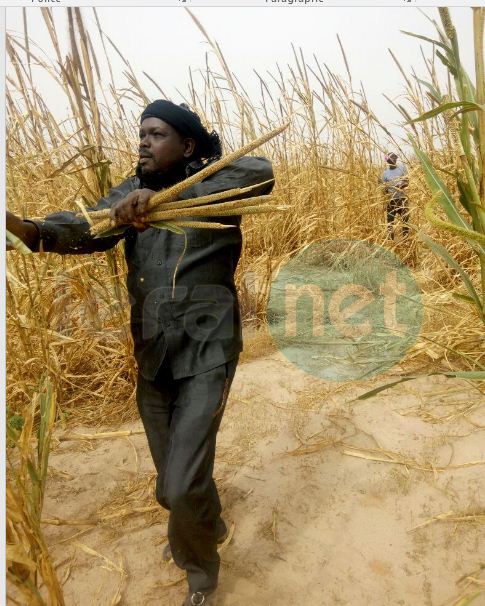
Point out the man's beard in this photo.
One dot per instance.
(162, 179)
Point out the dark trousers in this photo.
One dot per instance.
(395, 208)
(181, 418)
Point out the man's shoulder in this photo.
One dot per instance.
(251, 161)
(243, 172)
(246, 165)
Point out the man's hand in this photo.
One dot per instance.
(132, 210)
(25, 231)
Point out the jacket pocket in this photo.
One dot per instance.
(198, 238)
(139, 246)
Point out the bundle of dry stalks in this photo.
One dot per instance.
(166, 212)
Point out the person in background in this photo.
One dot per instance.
(395, 180)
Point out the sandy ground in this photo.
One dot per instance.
(316, 519)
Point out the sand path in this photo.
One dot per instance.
(327, 525)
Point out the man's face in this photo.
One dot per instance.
(392, 159)
(161, 146)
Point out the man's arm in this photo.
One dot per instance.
(246, 171)
(66, 233)
(242, 173)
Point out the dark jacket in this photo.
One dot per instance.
(197, 323)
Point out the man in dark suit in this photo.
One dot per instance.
(187, 335)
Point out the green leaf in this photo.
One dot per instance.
(113, 232)
(374, 392)
(462, 297)
(465, 106)
(466, 111)
(434, 92)
(472, 375)
(17, 243)
(451, 68)
(466, 197)
(441, 251)
(437, 42)
(15, 422)
(439, 189)
(47, 406)
(32, 473)
(476, 239)
(169, 226)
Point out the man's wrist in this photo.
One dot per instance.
(31, 234)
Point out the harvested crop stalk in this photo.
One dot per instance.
(207, 211)
(170, 194)
(236, 207)
(222, 195)
(168, 199)
(101, 227)
(202, 224)
(223, 212)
